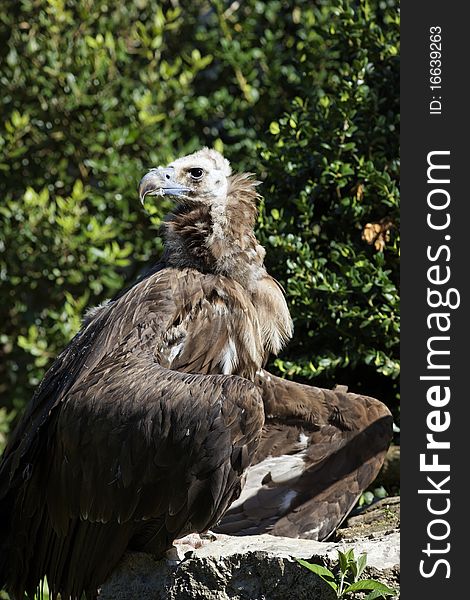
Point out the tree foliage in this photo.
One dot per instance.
(303, 93)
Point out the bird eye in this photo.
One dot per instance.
(196, 173)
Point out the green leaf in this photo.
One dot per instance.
(344, 558)
(274, 128)
(361, 564)
(380, 492)
(375, 594)
(369, 584)
(323, 572)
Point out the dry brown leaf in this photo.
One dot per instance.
(377, 233)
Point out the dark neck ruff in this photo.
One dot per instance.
(186, 231)
(199, 235)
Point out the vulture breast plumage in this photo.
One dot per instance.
(144, 427)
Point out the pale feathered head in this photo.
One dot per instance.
(202, 175)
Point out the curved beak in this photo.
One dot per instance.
(160, 182)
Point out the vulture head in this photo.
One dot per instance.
(211, 226)
(202, 177)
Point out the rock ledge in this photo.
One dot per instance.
(246, 568)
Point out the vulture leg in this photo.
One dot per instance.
(319, 450)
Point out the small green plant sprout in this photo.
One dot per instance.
(346, 582)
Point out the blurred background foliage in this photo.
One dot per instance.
(304, 93)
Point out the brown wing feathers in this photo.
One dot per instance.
(319, 450)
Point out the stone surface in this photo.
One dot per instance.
(379, 519)
(246, 568)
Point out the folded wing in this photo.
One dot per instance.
(319, 450)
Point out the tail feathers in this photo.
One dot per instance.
(75, 564)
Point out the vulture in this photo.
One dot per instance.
(159, 412)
